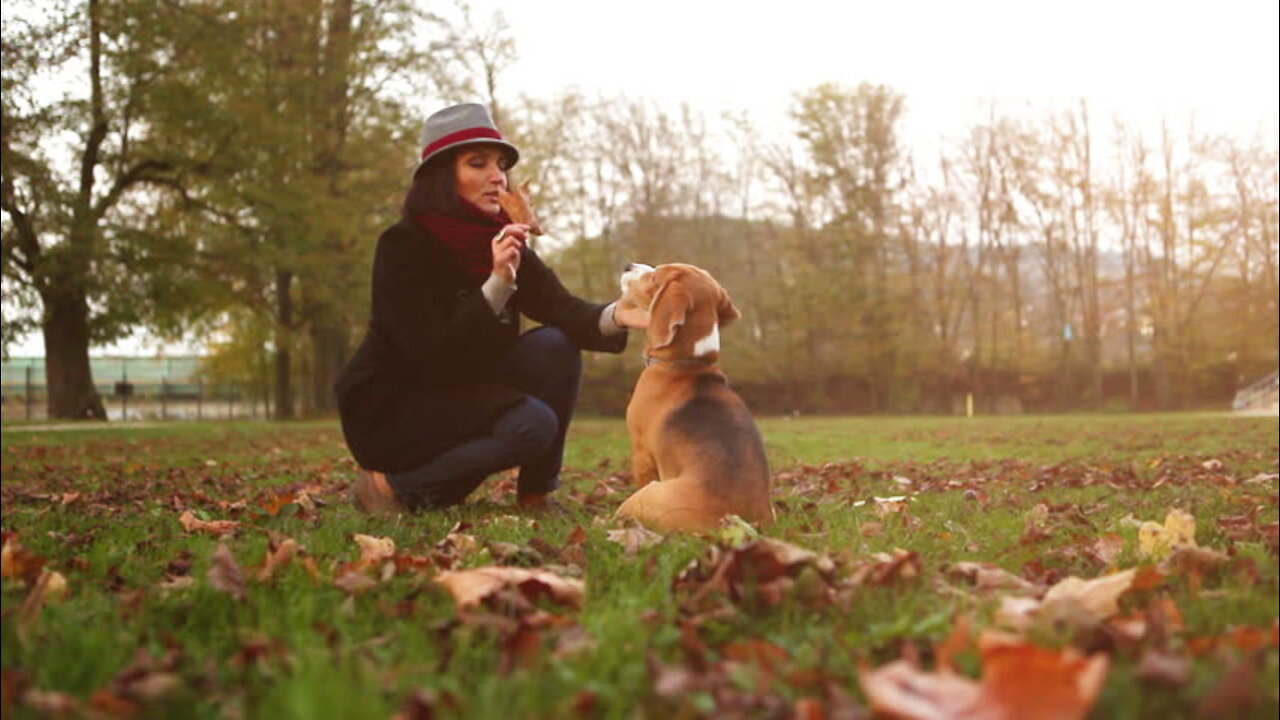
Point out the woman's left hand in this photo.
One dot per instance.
(629, 316)
(507, 245)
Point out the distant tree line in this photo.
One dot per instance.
(223, 167)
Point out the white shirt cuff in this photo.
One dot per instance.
(607, 325)
(497, 291)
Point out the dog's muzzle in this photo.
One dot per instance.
(632, 273)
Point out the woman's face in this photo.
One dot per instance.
(479, 172)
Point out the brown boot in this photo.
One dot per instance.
(372, 494)
(540, 504)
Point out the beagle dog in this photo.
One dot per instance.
(689, 430)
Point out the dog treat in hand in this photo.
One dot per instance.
(516, 203)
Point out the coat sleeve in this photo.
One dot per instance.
(545, 299)
(430, 333)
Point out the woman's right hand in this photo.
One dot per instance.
(507, 245)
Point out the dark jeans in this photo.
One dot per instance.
(547, 367)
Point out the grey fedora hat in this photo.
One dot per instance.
(462, 124)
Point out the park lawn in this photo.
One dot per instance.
(151, 625)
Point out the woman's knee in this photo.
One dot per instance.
(552, 346)
(528, 429)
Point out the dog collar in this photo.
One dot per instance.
(678, 362)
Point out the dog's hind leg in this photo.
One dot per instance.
(669, 506)
(644, 469)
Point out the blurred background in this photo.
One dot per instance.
(1014, 207)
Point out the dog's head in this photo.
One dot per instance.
(686, 307)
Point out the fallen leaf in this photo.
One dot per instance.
(1164, 668)
(1017, 613)
(755, 652)
(1019, 680)
(51, 703)
(428, 705)
(191, 523)
(471, 587)
(902, 691)
(986, 576)
(225, 574)
(355, 583)
(1157, 541)
(885, 568)
(17, 562)
(1097, 597)
(373, 550)
(276, 559)
(51, 586)
(634, 538)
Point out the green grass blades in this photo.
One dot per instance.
(219, 570)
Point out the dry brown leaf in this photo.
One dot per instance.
(373, 550)
(516, 204)
(52, 703)
(1097, 597)
(1107, 548)
(471, 587)
(1019, 680)
(354, 583)
(49, 587)
(191, 523)
(16, 561)
(755, 652)
(225, 574)
(886, 568)
(1164, 668)
(277, 559)
(986, 576)
(634, 538)
(428, 705)
(900, 690)
(1017, 613)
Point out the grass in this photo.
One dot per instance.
(101, 506)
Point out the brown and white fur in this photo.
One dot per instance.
(689, 430)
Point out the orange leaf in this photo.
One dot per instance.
(277, 559)
(16, 561)
(516, 203)
(755, 652)
(1030, 681)
(1019, 680)
(191, 523)
(471, 587)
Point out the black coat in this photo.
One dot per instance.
(418, 383)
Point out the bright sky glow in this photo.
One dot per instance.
(1138, 59)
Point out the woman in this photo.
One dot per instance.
(444, 390)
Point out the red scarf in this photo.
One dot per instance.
(468, 235)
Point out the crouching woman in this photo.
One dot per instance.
(445, 389)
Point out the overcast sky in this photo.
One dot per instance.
(1144, 60)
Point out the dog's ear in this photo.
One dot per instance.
(671, 304)
(726, 311)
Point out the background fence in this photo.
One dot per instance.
(133, 388)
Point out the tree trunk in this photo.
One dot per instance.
(71, 393)
(284, 341)
(330, 346)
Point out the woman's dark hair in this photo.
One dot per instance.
(433, 189)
